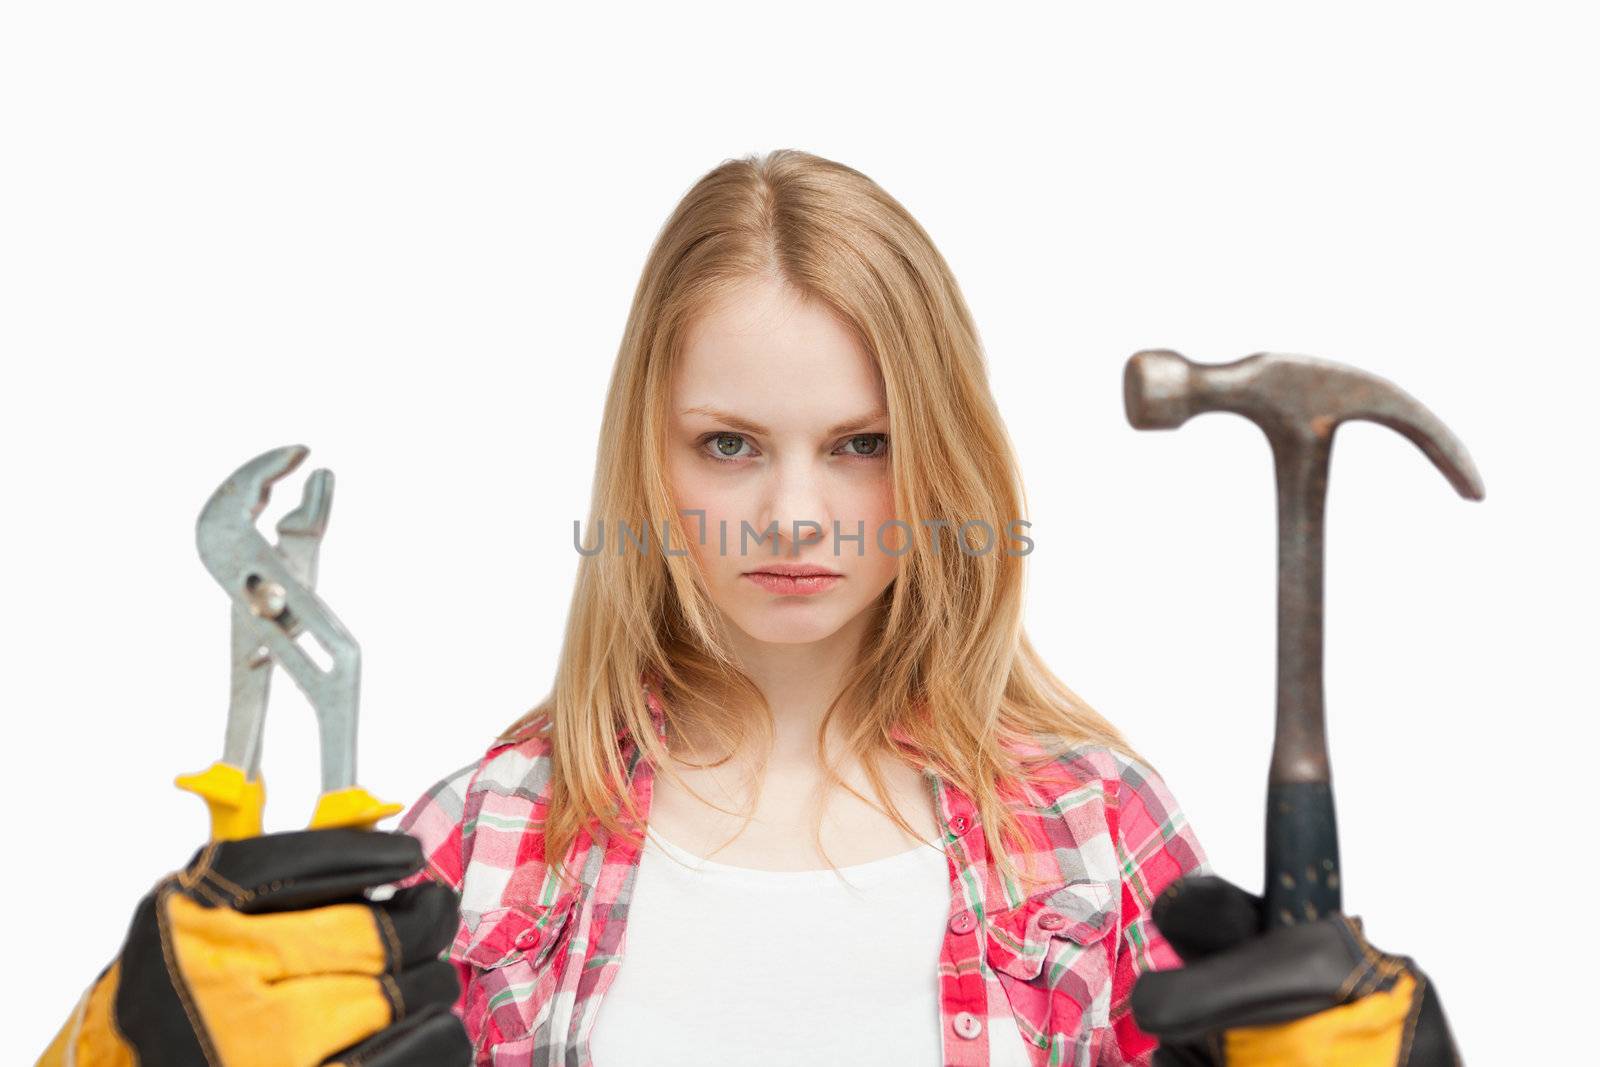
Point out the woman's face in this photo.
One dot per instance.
(778, 416)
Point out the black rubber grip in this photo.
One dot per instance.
(1302, 854)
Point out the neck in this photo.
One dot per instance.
(799, 681)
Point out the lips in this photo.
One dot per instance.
(784, 581)
(796, 570)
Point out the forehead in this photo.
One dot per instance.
(770, 354)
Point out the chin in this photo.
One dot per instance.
(773, 628)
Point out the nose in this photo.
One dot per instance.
(795, 498)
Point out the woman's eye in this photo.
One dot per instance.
(866, 445)
(725, 446)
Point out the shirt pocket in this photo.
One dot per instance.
(522, 932)
(1055, 959)
(512, 952)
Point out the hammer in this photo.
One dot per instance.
(1298, 402)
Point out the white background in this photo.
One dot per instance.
(407, 236)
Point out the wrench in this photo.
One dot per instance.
(275, 614)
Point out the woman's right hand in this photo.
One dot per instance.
(266, 952)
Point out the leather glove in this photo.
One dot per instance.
(266, 952)
(1314, 993)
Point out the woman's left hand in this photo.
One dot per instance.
(1315, 993)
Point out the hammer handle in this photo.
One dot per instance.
(1302, 838)
(1302, 853)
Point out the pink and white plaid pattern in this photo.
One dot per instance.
(535, 958)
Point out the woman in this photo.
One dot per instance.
(803, 791)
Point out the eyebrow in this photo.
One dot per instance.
(747, 426)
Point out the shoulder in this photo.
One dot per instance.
(1096, 788)
(516, 768)
(497, 793)
(1063, 769)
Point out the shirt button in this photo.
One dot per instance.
(958, 824)
(967, 1025)
(962, 922)
(1052, 920)
(527, 939)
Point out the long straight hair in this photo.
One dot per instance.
(946, 678)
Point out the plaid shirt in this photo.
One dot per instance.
(535, 957)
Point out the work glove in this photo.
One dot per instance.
(267, 952)
(1312, 994)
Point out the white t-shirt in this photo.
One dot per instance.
(728, 966)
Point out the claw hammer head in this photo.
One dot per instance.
(1289, 397)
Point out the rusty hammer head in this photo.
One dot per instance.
(1290, 397)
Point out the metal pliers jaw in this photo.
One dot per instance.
(278, 618)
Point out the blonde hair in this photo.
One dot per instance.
(946, 662)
